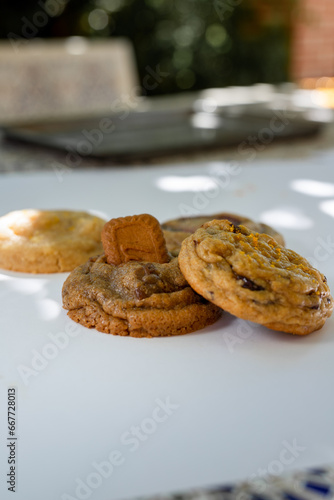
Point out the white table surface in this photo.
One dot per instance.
(244, 400)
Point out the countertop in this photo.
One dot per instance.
(20, 157)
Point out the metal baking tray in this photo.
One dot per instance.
(194, 120)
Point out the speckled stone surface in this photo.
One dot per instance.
(20, 157)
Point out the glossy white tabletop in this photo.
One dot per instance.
(106, 417)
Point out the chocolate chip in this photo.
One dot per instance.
(328, 300)
(324, 279)
(212, 295)
(140, 293)
(315, 307)
(235, 229)
(249, 284)
(150, 279)
(139, 273)
(149, 268)
(145, 270)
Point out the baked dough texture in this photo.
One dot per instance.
(251, 276)
(135, 237)
(176, 230)
(139, 299)
(48, 241)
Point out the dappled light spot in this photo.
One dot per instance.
(27, 286)
(48, 309)
(327, 207)
(289, 218)
(313, 188)
(191, 183)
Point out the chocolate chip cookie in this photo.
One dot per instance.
(48, 241)
(124, 293)
(253, 277)
(139, 299)
(176, 230)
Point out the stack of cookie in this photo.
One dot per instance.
(155, 281)
(149, 280)
(136, 288)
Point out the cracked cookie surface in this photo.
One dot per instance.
(48, 241)
(251, 276)
(176, 230)
(139, 299)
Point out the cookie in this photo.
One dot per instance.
(48, 241)
(123, 293)
(139, 299)
(251, 276)
(176, 230)
(137, 237)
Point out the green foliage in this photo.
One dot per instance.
(198, 43)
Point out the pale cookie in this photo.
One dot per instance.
(139, 299)
(176, 230)
(254, 278)
(48, 241)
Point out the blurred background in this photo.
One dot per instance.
(199, 43)
(80, 57)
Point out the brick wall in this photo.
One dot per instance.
(313, 39)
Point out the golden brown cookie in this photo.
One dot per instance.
(136, 237)
(176, 230)
(139, 299)
(48, 241)
(251, 276)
